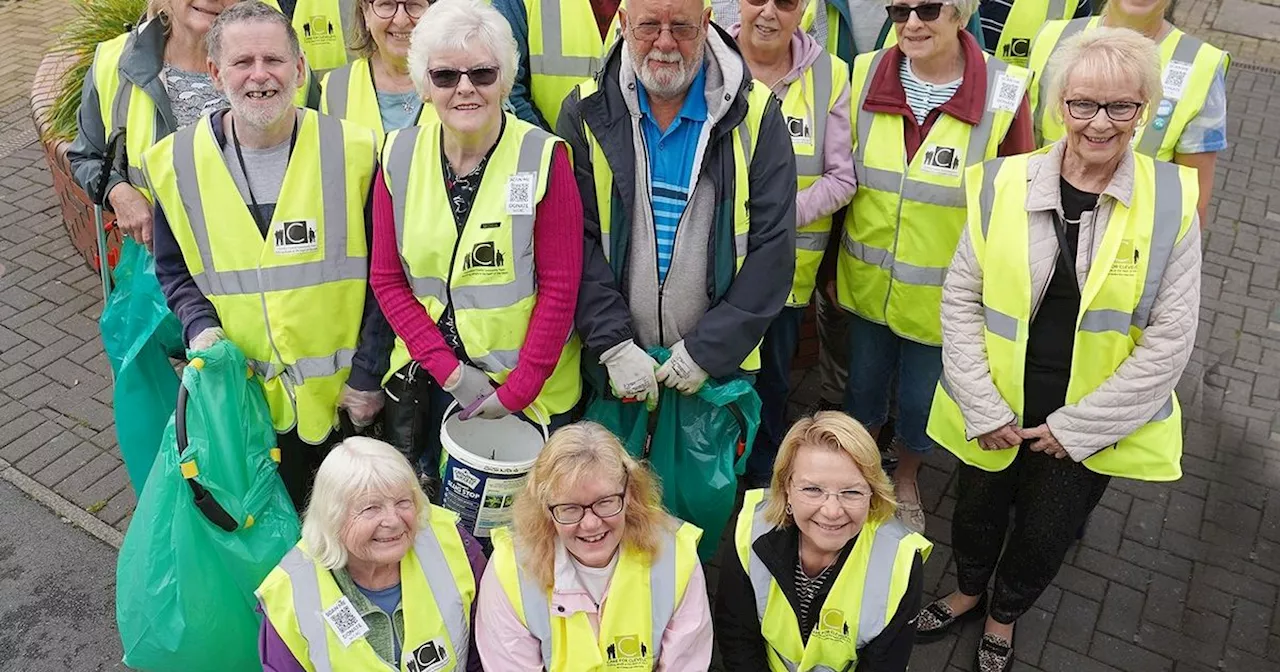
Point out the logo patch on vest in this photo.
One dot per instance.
(295, 236)
(832, 626)
(941, 160)
(319, 30)
(1126, 263)
(345, 621)
(628, 652)
(429, 657)
(485, 258)
(801, 130)
(1017, 48)
(520, 194)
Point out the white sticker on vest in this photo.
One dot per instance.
(345, 621)
(520, 194)
(1175, 79)
(295, 236)
(429, 657)
(1008, 93)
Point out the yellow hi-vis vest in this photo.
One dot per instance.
(348, 93)
(292, 302)
(487, 272)
(905, 221)
(1025, 19)
(564, 48)
(862, 601)
(1115, 307)
(1189, 69)
(834, 25)
(630, 634)
(319, 27)
(437, 590)
(744, 144)
(808, 101)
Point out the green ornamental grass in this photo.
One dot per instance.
(96, 21)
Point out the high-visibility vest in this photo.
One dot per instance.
(292, 302)
(319, 27)
(808, 101)
(348, 93)
(437, 590)
(565, 47)
(1115, 307)
(630, 635)
(1024, 20)
(834, 24)
(862, 601)
(905, 220)
(745, 138)
(487, 270)
(1189, 68)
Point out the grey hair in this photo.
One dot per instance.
(461, 25)
(355, 467)
(964, 9)
(249, 10)
(1116, 52)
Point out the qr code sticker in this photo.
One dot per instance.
(520, 194)
(1175, 79)
(345, 621)
(1008, 95)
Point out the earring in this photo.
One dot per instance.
(789, 510)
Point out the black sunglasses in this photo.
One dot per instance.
(929, 11)
(447, 78)
(782, 5)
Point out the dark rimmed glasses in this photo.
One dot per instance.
(605, 507)
(1120, 110)
(680, 32)
(929, 11)
(447, 78)
(386, 9)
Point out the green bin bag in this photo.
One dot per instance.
(213, 520)
(697, 445)
(138, 335)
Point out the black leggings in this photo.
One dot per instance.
(1052, 498)
(298, 463)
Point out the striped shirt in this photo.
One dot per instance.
(922, 96)
(806, 589)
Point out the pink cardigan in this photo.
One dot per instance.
(557, 258)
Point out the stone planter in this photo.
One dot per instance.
(77, 209)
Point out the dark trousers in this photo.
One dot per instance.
(774, 387)
(1052, 499)
(298, 463)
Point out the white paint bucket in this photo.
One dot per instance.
(484, 463)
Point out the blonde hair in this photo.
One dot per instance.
(354, 468)
(834, 431)
(359, 38)
(461, 25)
(1118, 53)
(964, 9)
(577, 452)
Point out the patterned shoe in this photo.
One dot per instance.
(910, 513)
(995, 654)
(936, 619)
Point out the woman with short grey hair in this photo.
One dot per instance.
(381, 576)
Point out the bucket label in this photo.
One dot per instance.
(464, 476)
(481, 499)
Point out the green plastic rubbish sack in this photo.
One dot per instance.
(698, 448)
(138, 335)
(184, 585)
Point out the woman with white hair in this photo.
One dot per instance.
(594, 574)
(1068, 316)
(382, 579)
(926, 108)
(483, 301)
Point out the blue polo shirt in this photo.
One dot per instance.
(671, 163)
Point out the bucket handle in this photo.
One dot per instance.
(543, 423)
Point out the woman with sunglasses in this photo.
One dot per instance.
(821, 574)
(1188, 124)
(375, 89)
(482, 301)
(1068, 315)
(927, 108)
(593, 569)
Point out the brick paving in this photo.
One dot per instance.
(1180, 576)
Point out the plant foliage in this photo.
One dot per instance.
(96, 21)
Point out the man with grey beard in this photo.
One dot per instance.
(262, 238)
(688, 187)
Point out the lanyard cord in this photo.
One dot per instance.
(255, 211)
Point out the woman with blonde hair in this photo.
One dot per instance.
(821, 575)
(594, 569)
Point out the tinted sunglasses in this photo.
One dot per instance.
(929, 11)
(447, 78)
(782, 5)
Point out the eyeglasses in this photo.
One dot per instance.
(1121, 110)
(605, 507)
(386, 9)
(680, 32)
(929, 11)
(447, 78)
(782, 5)
(812, 495)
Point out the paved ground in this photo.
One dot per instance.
(1180, 577)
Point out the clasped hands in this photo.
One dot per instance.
(1040, 439)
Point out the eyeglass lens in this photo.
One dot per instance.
(929, 11)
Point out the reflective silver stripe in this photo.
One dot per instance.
(865, 118)
(120, 106)
(1153, 137)
(761, 579)
(435, 569)
(867, 254)
(813, 165)
(740, 244)
(136, 178)
(424, 287)
(812, 241)
(1164, 237)
(306, 606)
(875, 591)
(1165, 411)
(184, 171)
(1002, 325)
(1057, 10)
(497, 360)
(908, 273)
(537, 611)
(335, 91)
(1074, 26)
(981, 134)
(399, 160)
(283, 278)
(306, 367)
(552, 60)
(987, 197)
(881, 179)
(1105, 319)
(744, 134)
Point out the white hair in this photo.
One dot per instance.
(965, 9)
(1117, 54)
(463, 25)
(355, 468)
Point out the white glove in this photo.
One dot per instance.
(468, 384)
(205, 339)
(681, 372)
(489, 408)
(362, 406)
(631, 372)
